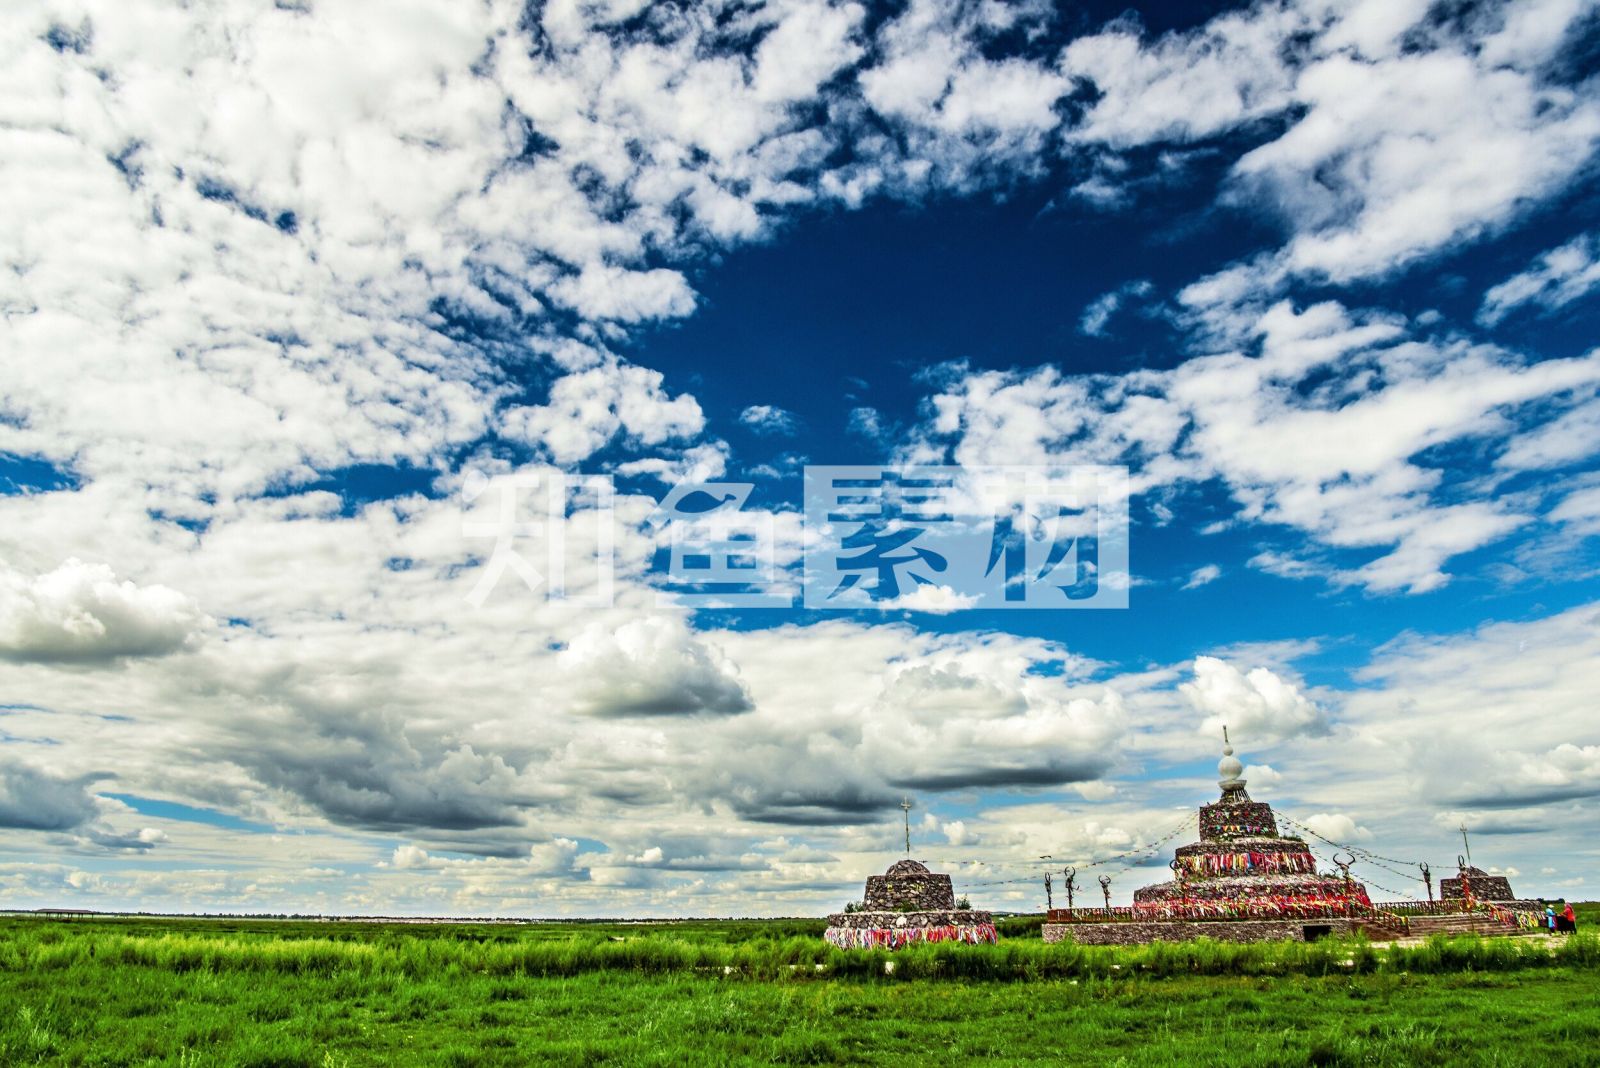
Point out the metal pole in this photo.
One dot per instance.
(1105, 888)
(1072, 875)
(1049, 902)
(1465, 844)
(905, 803)
(1427, 877)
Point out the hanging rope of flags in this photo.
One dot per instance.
(1000, 882)
(1149, 848)
(1375, 858)
(1407, 895)
(1152, 847)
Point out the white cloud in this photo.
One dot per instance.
(601, 292)
(1562, 441)
(1401, 137)
(1360, 402)
(768, 419)
(1102, 308)
(327, 238)
(1556, 279)
(651, 666)
(1257, 705)
(1337, 827)
(1399, 158)
(1579, 511)
(942, 726)
(589, 408)
(1202, 575)
(926, 597)
(1185, 86)
(866, 422)
(80, 613)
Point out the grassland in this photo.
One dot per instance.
(202, 992)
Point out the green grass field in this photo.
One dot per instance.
(231, 992)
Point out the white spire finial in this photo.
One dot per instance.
(1229, 767)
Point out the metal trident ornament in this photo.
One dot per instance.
(1344, 867)
(1105, 888)
(1427, 877)
(1072, 875)
(1049, 902)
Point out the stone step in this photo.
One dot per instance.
(1422, 926)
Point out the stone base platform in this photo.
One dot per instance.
(1308, 929)
(891, 930)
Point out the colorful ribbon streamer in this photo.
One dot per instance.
(976, 934)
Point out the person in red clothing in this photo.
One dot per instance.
(1568, 920)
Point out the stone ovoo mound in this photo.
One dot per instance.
(1480, 884)
(907, 904)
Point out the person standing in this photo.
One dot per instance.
(1550, 918)
(1569, 919)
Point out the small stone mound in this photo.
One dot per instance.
(1483, 886)
(906, 904)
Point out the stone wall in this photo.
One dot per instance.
(1128, 934)
(935, 918)
(909, 892)
(1237, 819)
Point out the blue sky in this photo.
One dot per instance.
(289, 287)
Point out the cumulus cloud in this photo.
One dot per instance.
(939, 727)
(1185, 86)
(1411, 153)
(652, 666)
(928, 597)
(81, 613)
(1257, 704)
(252, 246)
(589, 408)
(601, 292)
(1490, 720)
(1337, 827)
(35, 800)
(1359, 398)
(768, 419)
(546, 858)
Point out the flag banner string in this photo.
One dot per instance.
(1139, 851)
(1408, 895)
(1151, 847)
(1376, 858)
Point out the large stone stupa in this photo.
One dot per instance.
(1241, 881)
(1243, 866)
